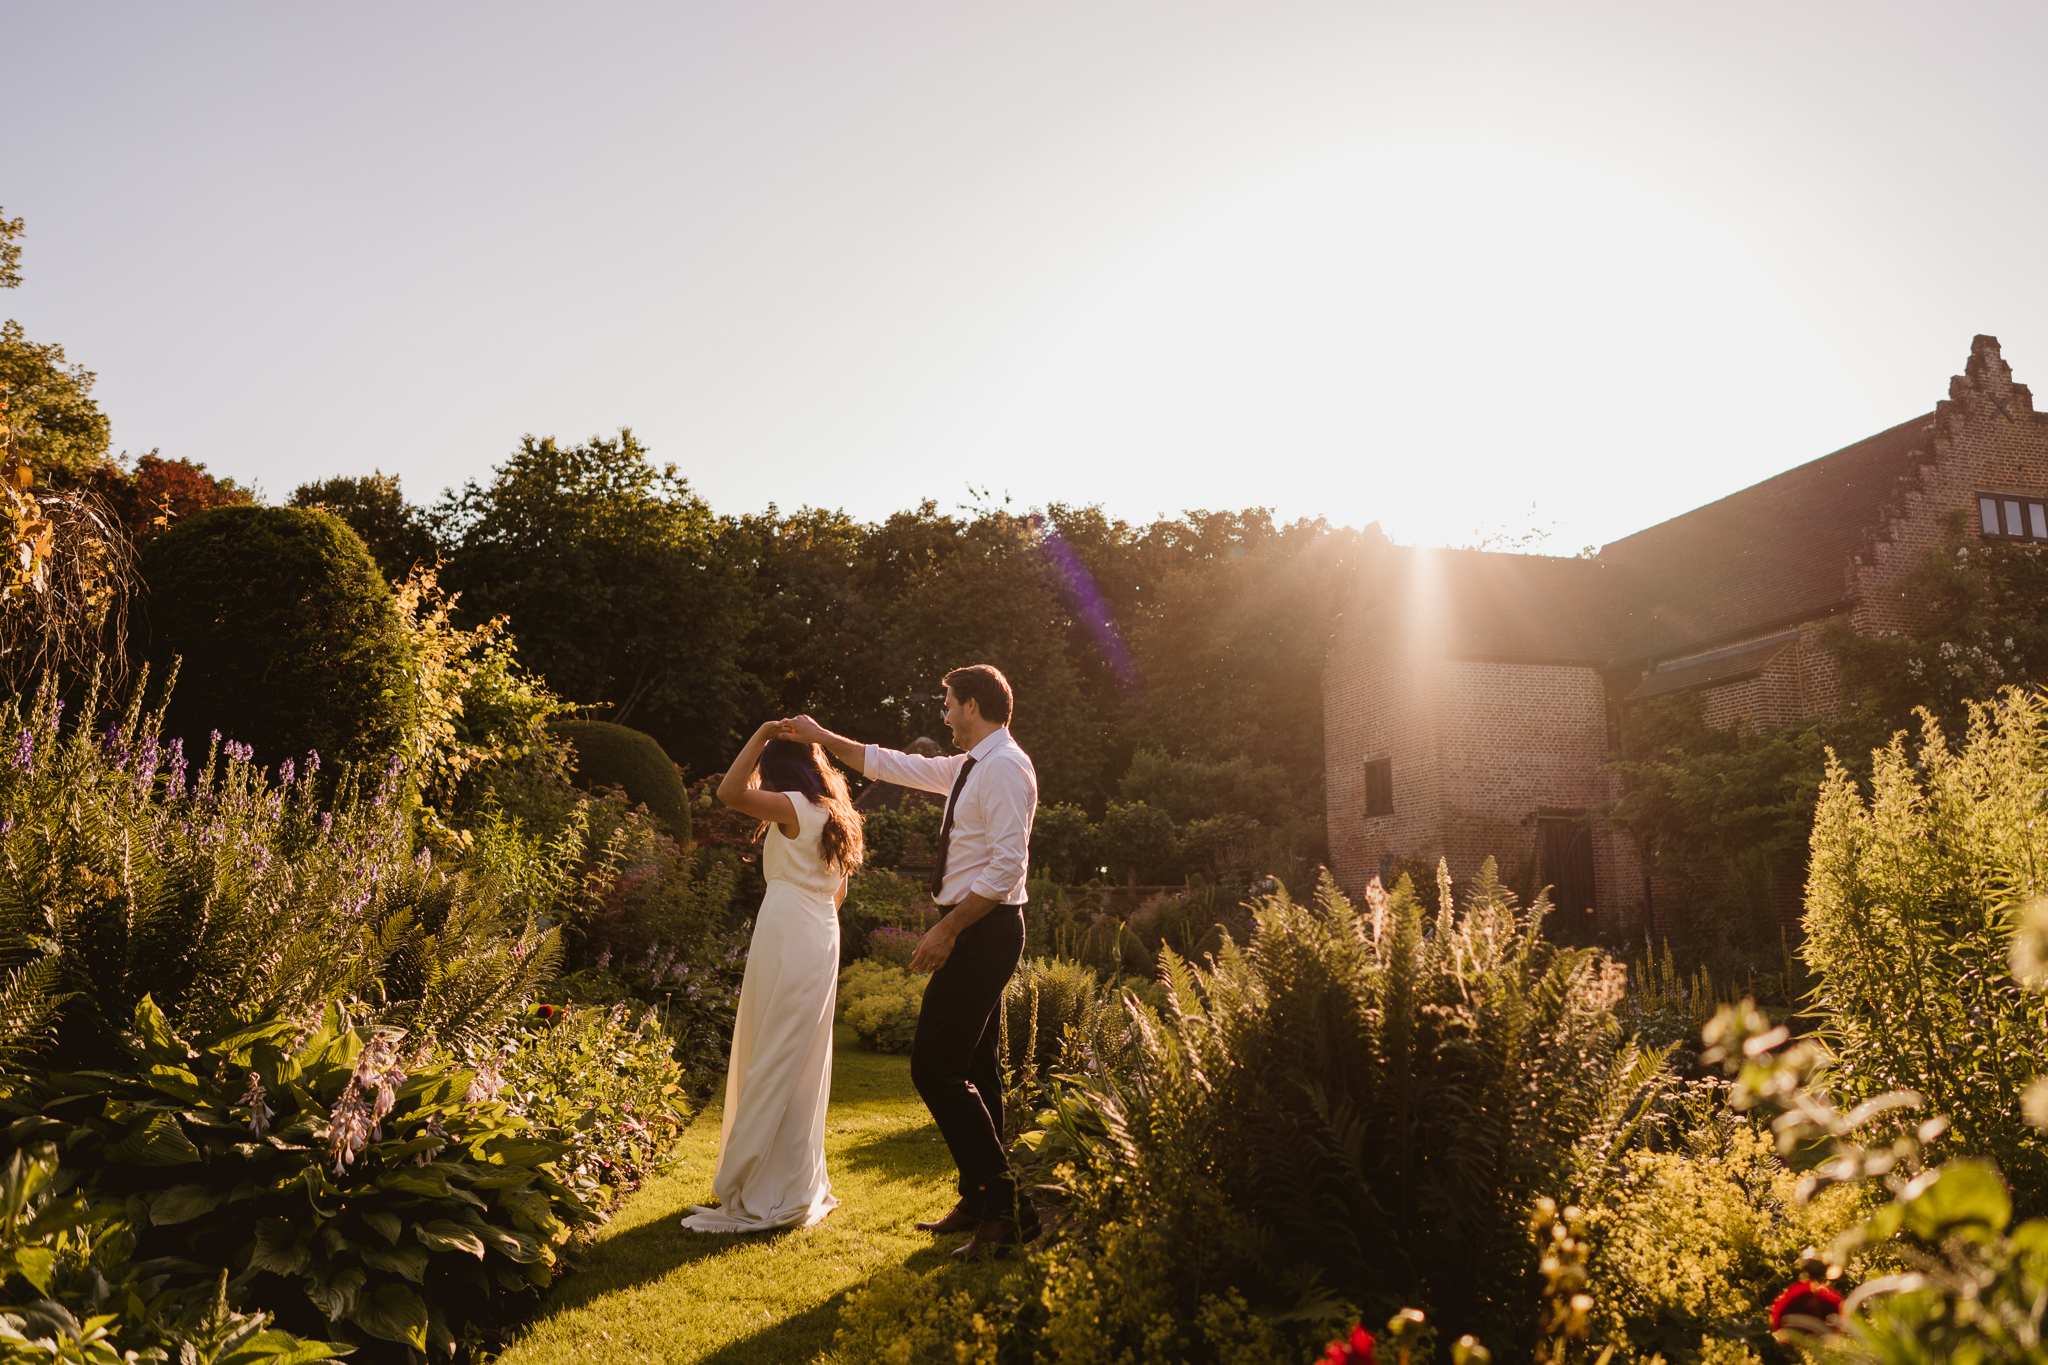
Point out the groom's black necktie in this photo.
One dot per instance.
(946, 829)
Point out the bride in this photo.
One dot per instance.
(771, 1144)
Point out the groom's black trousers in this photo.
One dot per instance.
(954, 1062)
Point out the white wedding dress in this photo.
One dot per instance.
(771, 1142)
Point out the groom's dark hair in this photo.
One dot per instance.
(986, 687)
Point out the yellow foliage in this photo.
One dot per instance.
(1693, 1245)
(903, 1318)
(881, 1004)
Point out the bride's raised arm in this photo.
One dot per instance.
(740, 788)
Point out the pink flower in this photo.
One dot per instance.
(1806, 1309)
(1355, 1351)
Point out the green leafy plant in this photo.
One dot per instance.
(1356, 1108)
(1910, 915)
(604, 1082)
(610, 755)
(290, 638)
(881, 1004)
(398, 1196)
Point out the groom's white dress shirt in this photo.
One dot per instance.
(990, 851)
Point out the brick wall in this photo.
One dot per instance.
(1986, 436)
(1478, 750)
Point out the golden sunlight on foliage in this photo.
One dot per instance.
(474, 707)
(64, 566)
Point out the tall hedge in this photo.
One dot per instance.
(289, 637)
(609, 755)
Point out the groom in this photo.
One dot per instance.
(978, 884)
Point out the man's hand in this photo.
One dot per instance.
(934, 948)
(804, 730)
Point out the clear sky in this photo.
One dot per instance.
(1424, 264)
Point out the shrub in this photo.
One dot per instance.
(878, 899)
(1190, 789)
(880, 1004)
(892, 947)
(1909, 918)
(1351, 1109)
(890, 834)
(610, 755)
(379, 1197)
(604, 1082)
(64, 1261)
(287, 629)
(900, 1317)
(1691, 1245)
(1063, 844)
(1138, 843)
(1054, 1017)
(225, 898)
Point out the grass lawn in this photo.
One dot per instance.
(648, 1290)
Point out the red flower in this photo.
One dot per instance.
(1356, 1351)
(544, 1013)
(1809, 1301)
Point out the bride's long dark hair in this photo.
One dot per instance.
(787, 766)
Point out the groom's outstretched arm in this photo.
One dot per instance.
(804, 730)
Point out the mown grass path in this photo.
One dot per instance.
(648, 1290)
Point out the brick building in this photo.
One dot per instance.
(1472, 698)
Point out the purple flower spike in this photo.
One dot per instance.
(285, 772)
(312, 761)
(25, 750)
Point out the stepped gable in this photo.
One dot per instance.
(1776, 553)
(1513, 608)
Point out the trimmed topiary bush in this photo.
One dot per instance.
(609, 755)
(289, 638)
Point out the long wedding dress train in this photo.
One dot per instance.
(771, 1140)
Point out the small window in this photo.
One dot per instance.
(1379, 786)
(2012, 518)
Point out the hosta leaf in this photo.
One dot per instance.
(531, 1205)
(409, 1261)
(279, 1348)
(385, 1222)
(391, 1153)
(277, 1248)
(521, 1151)
(430, 1180)
(183, 1203)
(444, 1234)
(153, 1033)
(237, 1045)
(159, 1142)
(505, 1179)
(336, 1295)
(392, 1312)
(518, 1246)
(179, 1083)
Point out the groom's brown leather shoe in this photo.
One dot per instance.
(997, 1235)
(959, 1220)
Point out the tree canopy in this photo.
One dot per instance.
(610, 570)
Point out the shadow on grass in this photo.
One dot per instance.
(809, 1333)
(900, 1153)
(642, 1253)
